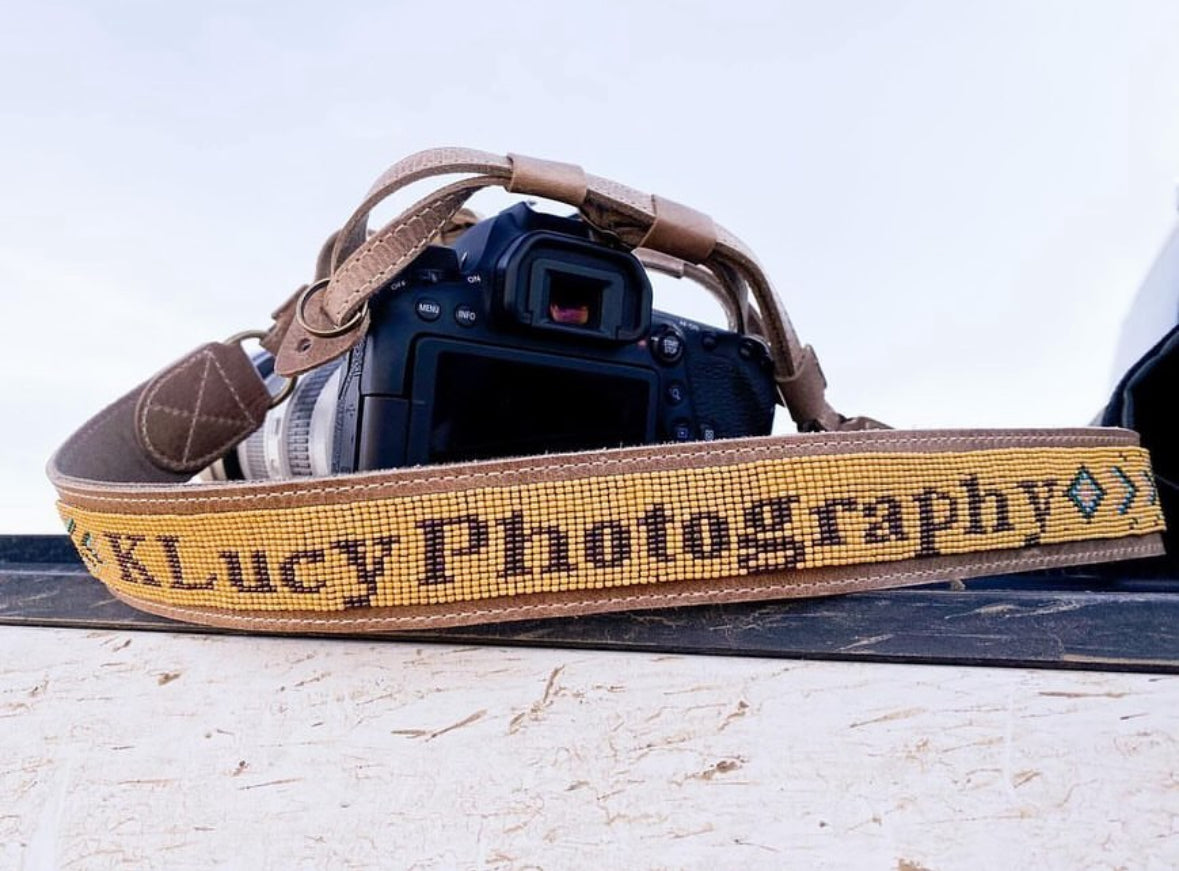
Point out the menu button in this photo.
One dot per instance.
(429, 309)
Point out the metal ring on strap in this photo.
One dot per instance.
(301, 317)
(287, 388)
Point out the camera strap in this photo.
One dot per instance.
(326, 318)
(849, 506)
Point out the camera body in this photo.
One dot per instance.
(525, 337)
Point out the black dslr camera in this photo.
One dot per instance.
(526, 336)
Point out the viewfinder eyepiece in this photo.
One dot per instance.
(559, 284)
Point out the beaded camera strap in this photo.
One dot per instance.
(847, 506)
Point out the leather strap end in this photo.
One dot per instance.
(680, 231)
(860, 423)
(551, 179)
(804, 394)
(200, 407)
(301, 351)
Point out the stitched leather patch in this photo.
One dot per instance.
(193, 412)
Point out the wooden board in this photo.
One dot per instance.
(1084, 619)
(152, 750)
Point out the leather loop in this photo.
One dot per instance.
(680, 231)
(551, 179)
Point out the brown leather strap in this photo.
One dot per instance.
(361, 265)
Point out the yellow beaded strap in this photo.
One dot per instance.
(759, 518)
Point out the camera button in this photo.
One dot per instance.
(681, 431)
(667, 346)
(707, 432)
(465, 316)
(428, 309)
(708, 341)
(675, 393)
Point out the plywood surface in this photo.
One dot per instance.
(151, 750)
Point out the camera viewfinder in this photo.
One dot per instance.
(569, 286)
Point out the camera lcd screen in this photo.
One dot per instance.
(486, 405)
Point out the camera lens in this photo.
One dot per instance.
(296, 438)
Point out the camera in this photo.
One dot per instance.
(528, 335)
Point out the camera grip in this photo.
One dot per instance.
(729, 392)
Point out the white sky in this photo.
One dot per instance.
(956, 200)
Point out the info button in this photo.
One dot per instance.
(429, 309)
(465, 316)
